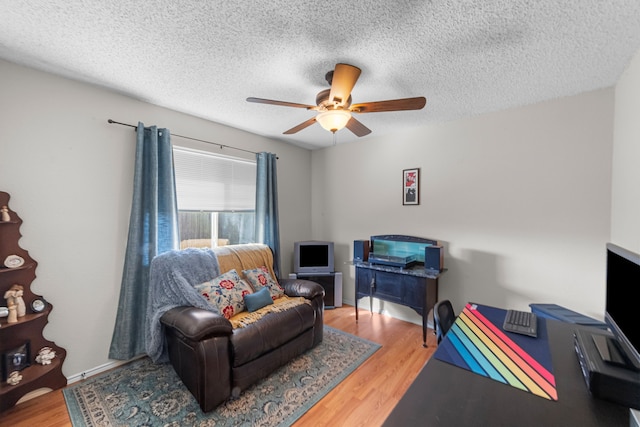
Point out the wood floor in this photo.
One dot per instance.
(365, 398)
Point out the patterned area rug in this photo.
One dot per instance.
(142, 393)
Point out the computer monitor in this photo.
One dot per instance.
(621, 310)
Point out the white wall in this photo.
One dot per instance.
(69, 174)
(625, 204)
(520, 198)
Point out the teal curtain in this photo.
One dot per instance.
(153, 229)
(267, 227)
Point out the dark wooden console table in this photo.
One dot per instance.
(414, 287)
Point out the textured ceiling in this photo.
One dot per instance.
(206, 58)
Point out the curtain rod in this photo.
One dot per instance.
(188, 137)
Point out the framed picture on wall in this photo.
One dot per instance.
(411, 186)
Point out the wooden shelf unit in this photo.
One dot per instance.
(29, 327)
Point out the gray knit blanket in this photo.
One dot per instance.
(172, 278)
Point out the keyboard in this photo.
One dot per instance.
(521, 322)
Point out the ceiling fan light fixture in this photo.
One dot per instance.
(334, 105)
(333, 120)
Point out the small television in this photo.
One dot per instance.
(313, 256)
(621, 308)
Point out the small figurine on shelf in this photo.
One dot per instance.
(9, 297)
(13, 314)
(18, 292)
(14, 378)
(5, 214)
(45, 356)
(14, 297)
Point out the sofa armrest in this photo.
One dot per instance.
(195, 324)
(302, 288)
(198, 343)
(315, 293)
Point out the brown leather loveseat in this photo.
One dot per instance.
(218, 357)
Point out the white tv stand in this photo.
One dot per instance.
(331, 282)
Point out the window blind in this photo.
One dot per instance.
(208, 182)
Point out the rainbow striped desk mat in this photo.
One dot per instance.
(477, 344)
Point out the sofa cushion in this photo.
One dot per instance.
(257, 300)
(270, 332)
(260, 277)
(226, 292)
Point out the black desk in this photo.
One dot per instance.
(446, 395)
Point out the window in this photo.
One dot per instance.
(216, 198)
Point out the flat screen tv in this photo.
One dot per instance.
(313, 257)
(621, 308)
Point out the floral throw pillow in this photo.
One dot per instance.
(226, 292)
(260, 277)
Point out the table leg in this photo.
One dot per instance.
(371, 286)
(425, 314)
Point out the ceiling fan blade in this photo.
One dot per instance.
(301, 126)
(282, 103)
(416, 103)
(357, 128)
(344, 79)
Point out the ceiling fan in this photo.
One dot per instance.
(334, 105)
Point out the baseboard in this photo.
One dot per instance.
(97, 370)
(413, 319)
(416, 320)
